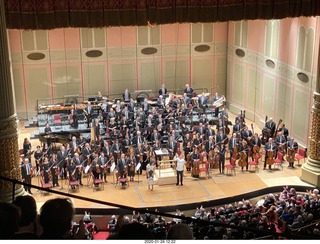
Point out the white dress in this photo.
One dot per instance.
(150, 173)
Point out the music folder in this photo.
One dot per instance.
(112, 167)
(138, 166)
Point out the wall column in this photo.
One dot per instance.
(9, 148)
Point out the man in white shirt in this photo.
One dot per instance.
(180, 167)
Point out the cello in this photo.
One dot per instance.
(291, 155)
(242, 159)
(270, 159)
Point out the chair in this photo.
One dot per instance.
(123, 182)
(255, 163)
(96, 183)
(73, 185)
(44, 185)
(279, 160)
(56, 119)
(301, 155)
(204, 165)
(231, 166)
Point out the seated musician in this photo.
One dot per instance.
(172, 147)
(126, 95)
(132, 166)
(77, 161)
(234, 142)
(292, 149)
(139, 156)
(188, 91)
(47, 129)
(270, 146)
(244, 149)
(281, 143)
(163, 91)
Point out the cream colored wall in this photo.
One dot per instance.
(263, 90)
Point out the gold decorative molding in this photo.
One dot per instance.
(314, 138)
(8, 127)
(9, 162)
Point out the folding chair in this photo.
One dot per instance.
(301, 155)
(255, 163)
(97, 183)
(123, 182)
(231, 166)
(278, 162)
(44, 185)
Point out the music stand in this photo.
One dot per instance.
(137, 168)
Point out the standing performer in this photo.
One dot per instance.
(222, 152)
(77, 161)
(126, 96)
(180, 167)
(122, 166)
(26, 172)
(38, 155)
(244, 149)
(103, 162)
(163, 91)
(131, 166)
(45, 172)
(270, 148)
(188, 91)
(54, 170)
(150, 174)
(292, 150)
(88, 112)
(195, 158)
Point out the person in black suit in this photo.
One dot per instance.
(96, 127)
(271, 126)
(75, 113)
(26, 173)
(203, 102)
(122, 165)
(145, 106)
(126, 96)
(285, 131)
(189, 91)
(255, 141)
(163, 91)
(131, 105)
(88, 112)
(292, 145)
(186, 100)
(172, 147)
(270, 146)
(221, 137)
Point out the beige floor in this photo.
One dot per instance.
(193, 190)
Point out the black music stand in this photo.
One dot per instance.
(112, 168)
(137, 169)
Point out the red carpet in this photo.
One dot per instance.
(101, 235)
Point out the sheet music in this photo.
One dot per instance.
(161, 152)
(138, 166)
(112, 167)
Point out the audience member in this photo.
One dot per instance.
(10, 215)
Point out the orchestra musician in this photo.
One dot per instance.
(234, 142)
(220, 124)
(188, 91)
(81, 141)
(116, 150)
(38, 156)
(292, 145)
(210, 144)
(146, 153)
(236, 127)
(62, 157)
(48, 132)
(111, 115)
(188, 150)
(54, 170)
(161, 102)
(270, 146)
(99, 97)
(71, 172)
(284, 131)
(139, 156)
(26, 173)
(255, 141)
(186, 100)
(201, 130)
(271, 127)
(241, 119)
(105, 108)
(122, 166)
(96, 168)
(210, 132)
(221, 136)
(103, 162)
(244, 149)
(75, 112)
(125, 113)
(195, 158)
(131, 105)
(246, 134)
(163, 91)
(281, 143)
(204, 120)
(88, 112)
(46, 150)
(86, 153)
(77, 161)
(145, 106)
(45, 172)
(156, 146)
(221, 151)
(139, 139)
(126, 144)
(132, 166)
(126, 95)
(73, 146)
(27, 149)
(203, 102)
(172, 147)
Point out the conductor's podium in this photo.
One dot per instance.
(166, 173)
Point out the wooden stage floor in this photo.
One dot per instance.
(193, 190)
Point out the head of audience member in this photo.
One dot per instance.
(55, 218)
(10, 215)
(133, 231)
(180, 232)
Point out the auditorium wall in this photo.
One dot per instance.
(272, 70)
(50, 64)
